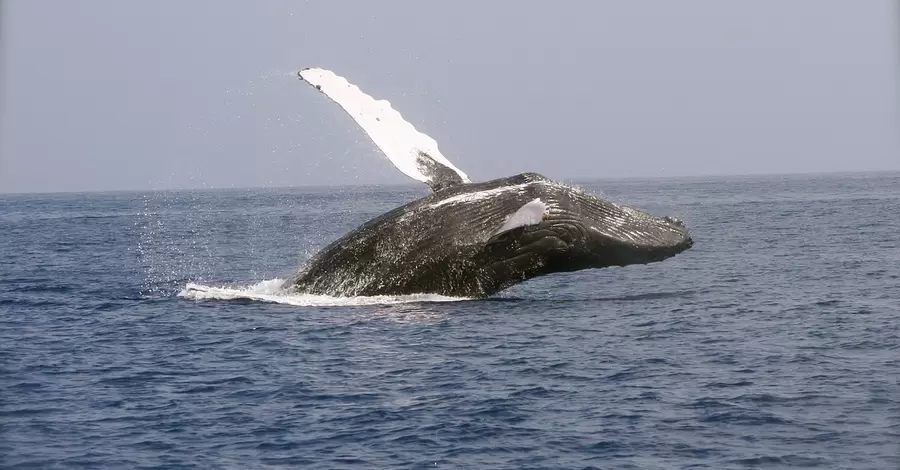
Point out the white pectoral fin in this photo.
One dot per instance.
(532, 213)
(399, 140)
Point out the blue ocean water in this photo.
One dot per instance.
(773, 343)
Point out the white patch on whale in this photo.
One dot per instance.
(479, 195)
(399, 140)
(532, 213)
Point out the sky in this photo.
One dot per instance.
(126, 94)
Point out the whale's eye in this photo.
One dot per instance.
(674, 221)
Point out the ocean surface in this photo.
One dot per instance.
(773, 343)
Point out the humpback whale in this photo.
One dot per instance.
(471, 239)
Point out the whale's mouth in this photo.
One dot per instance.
(620, 237)
(577, 230)
(566, 244)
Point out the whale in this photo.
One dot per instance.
(471, 239)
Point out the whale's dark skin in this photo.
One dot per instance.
(453, 249)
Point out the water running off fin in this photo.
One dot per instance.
(412, 152)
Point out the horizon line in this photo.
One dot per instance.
(413, 184)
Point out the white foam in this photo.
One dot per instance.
(398, 139)
(271, 291)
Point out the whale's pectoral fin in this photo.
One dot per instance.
(397, 139)
(439, 176)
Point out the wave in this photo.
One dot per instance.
(271, 291)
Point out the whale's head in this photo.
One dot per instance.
(578, 230)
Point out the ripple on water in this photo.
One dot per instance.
(753, 349)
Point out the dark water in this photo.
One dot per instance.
(773, 343)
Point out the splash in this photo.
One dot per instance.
(271, 291)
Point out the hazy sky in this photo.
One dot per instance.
(116, 94)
